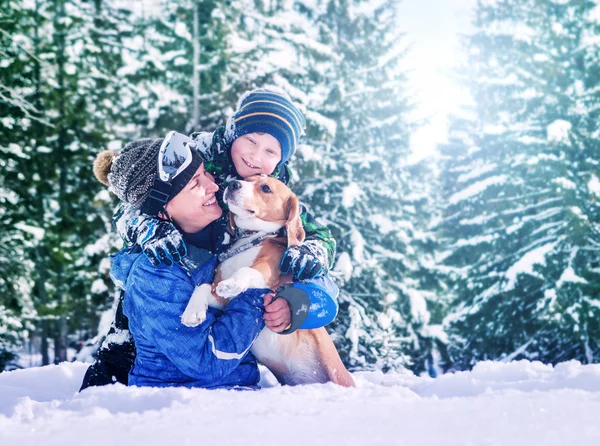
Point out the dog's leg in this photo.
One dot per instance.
(195, 312)
(242, 279)
(329, 357)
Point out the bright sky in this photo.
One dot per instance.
(434, 27)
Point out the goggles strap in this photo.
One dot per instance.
(158, 197)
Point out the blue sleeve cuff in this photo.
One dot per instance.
(313, 304)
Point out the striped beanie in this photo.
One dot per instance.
(268, 111)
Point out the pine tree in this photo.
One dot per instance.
(230, 62)
(64, 66)
(522, 187)
(18, 113)
(356, 178)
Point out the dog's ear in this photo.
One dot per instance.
(293, 225)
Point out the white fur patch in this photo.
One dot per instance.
(256, 224)
(195, 312)
(241, 260)
(242, 280)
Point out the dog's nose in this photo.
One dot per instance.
(235, 185)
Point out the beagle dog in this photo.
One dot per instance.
(260, 207)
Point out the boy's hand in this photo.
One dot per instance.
(302, 261)
(278, 314)
(160, 241)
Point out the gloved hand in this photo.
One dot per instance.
(304, 261)
(160, 241)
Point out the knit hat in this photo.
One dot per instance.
(268, 111)
(131, 173)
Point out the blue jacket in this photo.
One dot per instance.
(212, 355)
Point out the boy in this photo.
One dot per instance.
(260, 138)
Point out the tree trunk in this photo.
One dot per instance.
(196, 75)
(41, 257)
(60, 344)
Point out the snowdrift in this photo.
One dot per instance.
(519, 403)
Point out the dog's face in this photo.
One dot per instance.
(262, 203)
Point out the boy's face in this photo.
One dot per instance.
(255, 153)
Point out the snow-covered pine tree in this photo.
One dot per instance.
(16, 116)
(65, 66)
(109, 29)
(522, 187)
(359, 182)
(230, 55)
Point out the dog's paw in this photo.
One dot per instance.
(192, 317)
(229, 288)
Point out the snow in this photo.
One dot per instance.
(477, 188)
(518, 31)
(594, 185)
(38, 233)
(308, 153)
(329, 125)
(526, 263)
(476, 172)
(351, 193)
(358, 245)
(595, 14)
(98, 286)
(344, 266)
(473, 241)
(569, 275)
(418, 307)
(384, 224)
(558, 132)
(565, 183)
(558, 29)
(518, 403)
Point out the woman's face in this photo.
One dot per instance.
(255, 153)
(195, 207)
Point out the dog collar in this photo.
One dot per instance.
(240, 234)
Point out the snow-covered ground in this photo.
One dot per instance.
(519, 403)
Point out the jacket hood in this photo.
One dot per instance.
(122, 262)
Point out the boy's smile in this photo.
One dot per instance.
(255, 153)
(250, 165)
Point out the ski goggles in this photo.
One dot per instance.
(174, 156)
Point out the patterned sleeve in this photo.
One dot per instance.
(319, 237)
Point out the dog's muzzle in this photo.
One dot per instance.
(232, 188)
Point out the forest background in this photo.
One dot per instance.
(488, 248)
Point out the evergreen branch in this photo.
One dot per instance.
(33, 56)
(26, 107)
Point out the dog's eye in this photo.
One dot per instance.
(266, 189)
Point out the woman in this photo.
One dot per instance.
(214, 354)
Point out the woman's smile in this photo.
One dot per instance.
(211, 201)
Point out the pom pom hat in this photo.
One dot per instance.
(131, 173)
(268, 111)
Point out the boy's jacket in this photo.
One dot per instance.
(216, 150)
